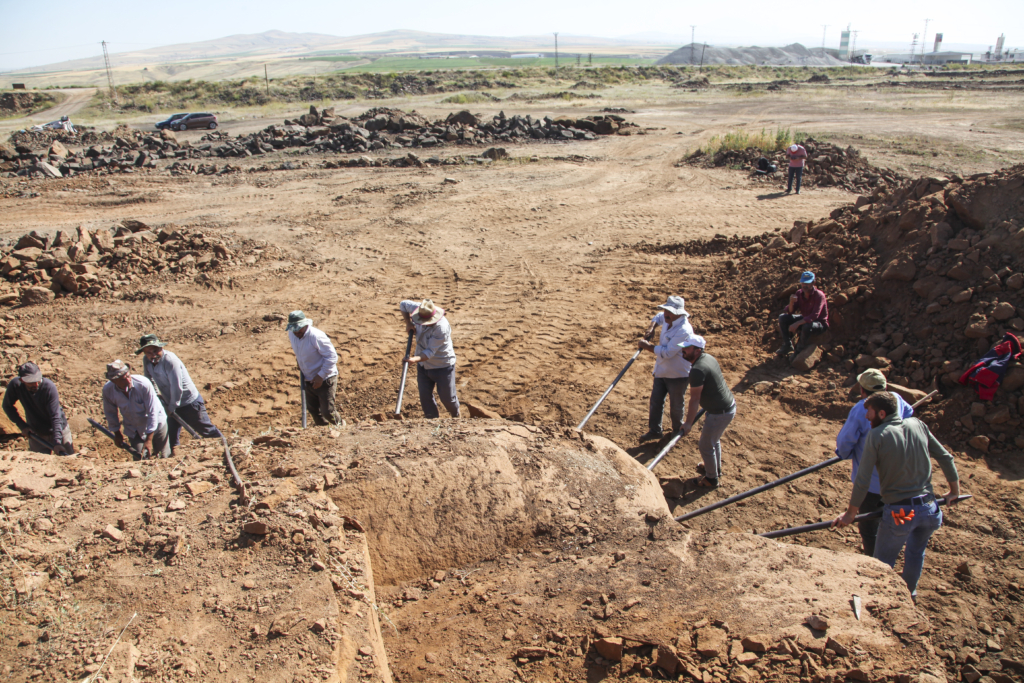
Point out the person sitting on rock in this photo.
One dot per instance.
(44, 416)
(850, 446)
(176, 390)
(434, 356)
(812, 318)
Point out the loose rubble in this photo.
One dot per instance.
(41, 267)
(318, 132)
(828, 165)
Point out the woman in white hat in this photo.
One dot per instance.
(435, 356)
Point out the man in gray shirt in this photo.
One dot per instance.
(709, 391)
(141, 415)
(899, 448)
(434, 356)
(176, 390)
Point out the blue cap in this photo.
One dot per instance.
(807, 278)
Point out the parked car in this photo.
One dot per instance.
(167, 123)
(195, 121)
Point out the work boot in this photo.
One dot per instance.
(652, 436)
(787, 348)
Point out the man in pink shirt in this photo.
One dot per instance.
(797, 158)
(812, 318)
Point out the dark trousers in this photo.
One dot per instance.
(64, 440)
(798, 172)
(675, 389)
(787, 319)
(320, 402)
(195, 415)
(444, 380)
(869, 527)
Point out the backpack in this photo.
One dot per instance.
(987, 374)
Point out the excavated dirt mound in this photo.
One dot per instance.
(921, 281)
(497, 550)
(828, 165)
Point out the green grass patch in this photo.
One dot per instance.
(469, 98)
(766, 141)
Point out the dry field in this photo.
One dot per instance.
(534, 261)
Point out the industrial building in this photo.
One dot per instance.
(928, 58)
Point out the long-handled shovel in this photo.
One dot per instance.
(103, 430)
(405, 373)
(778, 482)
(42, 442)
(793, 530)
(612, 386)
(302, 393)
(675, 439)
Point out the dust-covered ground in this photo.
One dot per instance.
(549, 270)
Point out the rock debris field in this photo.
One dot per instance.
(505, 545)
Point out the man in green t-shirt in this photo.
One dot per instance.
(708, 390)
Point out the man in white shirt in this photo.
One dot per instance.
(671, 371)
(434, 357)
(141, 415)
(318, 362)
(177, 392)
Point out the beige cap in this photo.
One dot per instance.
(872, 380)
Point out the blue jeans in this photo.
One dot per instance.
(797, 171)
(195, 415)
(675, 389)
(444, 380)
(710, 444)
(913, 534)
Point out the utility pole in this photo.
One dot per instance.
(110, 73)
(824, 30)
(853, 49)
(556, 54)
(693, 32)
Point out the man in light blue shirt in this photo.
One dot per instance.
(671, 370)
(177, 392)
(141, 416)
(318, 362)
(850, 446)
(434, 356)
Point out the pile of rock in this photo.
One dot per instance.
(129, 151)
(89, 263)
(828, 166)
(384, 129)
(922, 280)
(318, 132)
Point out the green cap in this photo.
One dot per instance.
(148, 340)
(297, 319)
(872, 380)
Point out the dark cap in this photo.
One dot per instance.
(30, 372)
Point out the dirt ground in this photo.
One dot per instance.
(537, 266)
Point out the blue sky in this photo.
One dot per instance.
(32, 34)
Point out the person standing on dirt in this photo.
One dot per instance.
(812, 318)
(435, 356)
(850, 446)
(671, 370)
(900, 448)
(709, 391)
(797, 158)
(318, 362)
(177, 392)
(44, 415)
(141, 414)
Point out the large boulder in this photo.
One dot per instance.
(901, 270)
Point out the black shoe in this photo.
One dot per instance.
(652, 436)
(784, 351)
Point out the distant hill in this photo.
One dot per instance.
(277, 44)
(791, 55)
